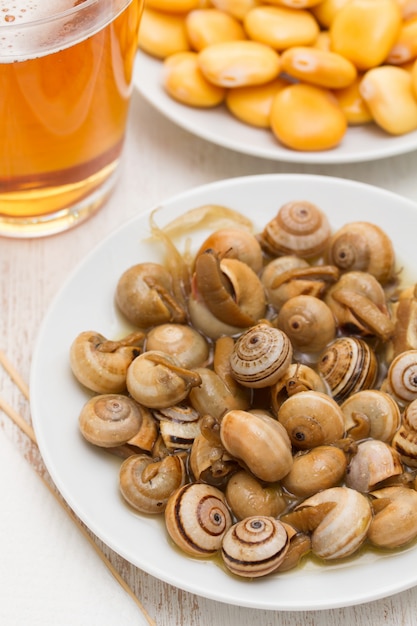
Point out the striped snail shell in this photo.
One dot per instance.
(260, 356)
(348, 365)
(401, 381)
(255, 546)
(196, 518)
(299, 227)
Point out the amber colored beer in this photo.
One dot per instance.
(63, 117)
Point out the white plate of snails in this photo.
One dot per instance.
(88, 476)
(217, 125)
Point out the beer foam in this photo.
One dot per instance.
(46, 25)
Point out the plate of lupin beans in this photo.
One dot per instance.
(308, 81)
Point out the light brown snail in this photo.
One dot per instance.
(308, 322)
(401, 380)
(145, 296)
(247, 496)
(157, 380)
(358, 303)
(235, 243)
(348, 365)
(338, 519)
(311, 419)
(394, 523)
(371, 413)
(374, 462)
(109, 420)
(210, 462)
(319, 468)
(101, 364)
(362, 246)
(146, 484)
(405, 319)
(299, 227)
(289, 275)
(298, 377)
(259, 442)
(180, 341)
(196, 518)
(405, 439)
(261, 356)
(230, 290)
(255, 546)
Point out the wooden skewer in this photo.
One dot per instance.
(28, 430)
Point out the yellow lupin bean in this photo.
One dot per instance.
(323, 40)
(353, 105)
(408, 8)
(208, 26)
(320, 67)
(252, 105)
(296, 4)
(387, 90)
(405, 46)
(364, 31)
(281, 27)
(162, 34)
(237, 8)
(326, 10)
(183, 81)
(306, 117)
(173, 6)
(239, 63)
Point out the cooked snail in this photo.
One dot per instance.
(110, 420)
(180, 341)
(197, 517)
(401, 380)
(405, 439)
(371, 413)
(247, 496)
(374, 462)
(235, 243)
(298, 377)
(317, 469)
(394, 523)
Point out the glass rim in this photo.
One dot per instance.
(9, 26)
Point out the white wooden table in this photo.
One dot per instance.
(49, 575)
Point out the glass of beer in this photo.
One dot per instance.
(65, 85)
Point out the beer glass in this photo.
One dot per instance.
(65, 84)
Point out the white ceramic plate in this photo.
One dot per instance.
(88, 477)
(365, 143)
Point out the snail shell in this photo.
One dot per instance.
(211, 463)
(405, 439)
(197, 517)
(319, 468)
(394, 523)
(255, 546)
(235, 243)
(288, 276)
(230, 289)
(401, 380)
(144, 294)
(405, 315)
(298, 377)
(101, 364)
(299, 227)
(157, 380)
(261, 356)
(180, 341)
(308, 322)
(109, 420)
(179, 425)
(358, 303)
(377, 408)
(147, 484)
(344, 528)
(259, 441)
(348, 365)
(247, 496)
(311, 419)
(373, 462)
(362, 246)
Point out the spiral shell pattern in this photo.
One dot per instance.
(298, 228)
(197, 518)
(255, 546)
(110, 420)
(347, 366)
(402, 377)
(261, 355)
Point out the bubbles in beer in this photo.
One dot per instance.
(21, 11)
